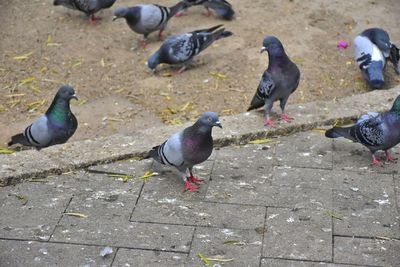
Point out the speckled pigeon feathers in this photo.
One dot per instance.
(375, 131)
(182, 48)
(87, 6)
(55, 127)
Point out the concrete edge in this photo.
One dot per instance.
(238, 129)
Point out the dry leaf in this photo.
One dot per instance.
(75, 214)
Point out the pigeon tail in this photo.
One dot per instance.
(19, 139)
(395, 57)
(256, 102)
(182, 5)
(223, 34)
(61, 2)
(336, 132)
(375, 74)
(225, 13)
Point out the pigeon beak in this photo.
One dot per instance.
(218, 124)
(74, 97)
(263, 49)
(114, 18)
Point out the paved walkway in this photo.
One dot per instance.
(297, 201)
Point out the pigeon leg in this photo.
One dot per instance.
(161, 35)
(282, 104)
(268, 108)
(193, 179)
(180, 70)
(93, 19)
(269, 122)
(389, 157)
(180, 14)
(376, 162)
(207, 13)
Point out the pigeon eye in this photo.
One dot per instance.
(209, 119)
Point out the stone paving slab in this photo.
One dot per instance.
(31, 210)
(134, 257)
(367, 204)
(172, 211)
(397, 190)
(242, 246)
(302, 234)
(42, 254)
(367, 251)
(295, 263)
(307, 149)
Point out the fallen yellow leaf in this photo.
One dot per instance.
(24, 56)
(75, 214)
(261, 141)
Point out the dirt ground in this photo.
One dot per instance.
(44, 46)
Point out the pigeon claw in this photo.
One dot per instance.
(286, 118)
(161, 35)
(207, 12)
(143, 44)
(389, 157)
(180, 14)
(190, 187)
(376, 162)
(269, 122)
(194, 180)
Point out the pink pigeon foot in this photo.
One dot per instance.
(180, 70)
(180, 14)
(190, 187)
(143, 44)
(93, 20)
(376, 162)
(269, 122)
(286, 118)
(194, 180)
(389, 157)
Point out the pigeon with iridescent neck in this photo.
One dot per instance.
(376, 131)
(55, 127)
(278, 82)
(187, 148)
(89, 7)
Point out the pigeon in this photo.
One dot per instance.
(372, 49)
(55, 127)
(89, 7)
(182, 48)
(187, 148)
(376, 131)
(222, 8)
(277, 83)
(145, 19)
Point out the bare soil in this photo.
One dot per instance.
(119, 94)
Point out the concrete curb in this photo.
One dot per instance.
(238, 129)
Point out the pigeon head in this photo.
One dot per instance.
(396, 106)
(66, 92)
(210, 119)
(154, 61)
(271, 44)
(131, 14)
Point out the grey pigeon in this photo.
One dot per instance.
(182, 48)
(89, 7)
(376, 131)
(277, 83)
(145, 19)
(222, 8)
(372, 49)
(55, 127)
(187, 148)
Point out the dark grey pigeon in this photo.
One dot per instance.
(372, 49)
(187, 148)
(182, 48)
(376, 131)
(55, 127)
(277, 83)
(222, 8)
(89, 7)
(145, 19)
